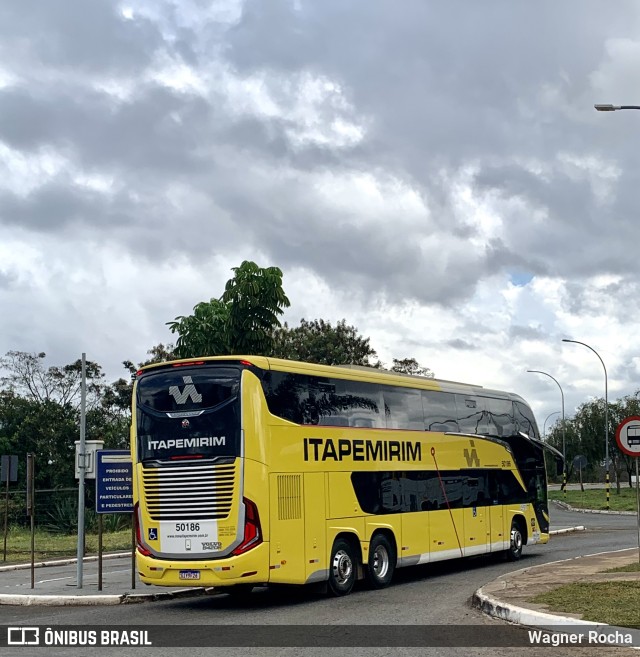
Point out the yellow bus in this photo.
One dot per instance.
(251, 470)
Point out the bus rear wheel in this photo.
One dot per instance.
(515, 542)
(382, 562)
(342, 568)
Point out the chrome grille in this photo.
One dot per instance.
(194, 492)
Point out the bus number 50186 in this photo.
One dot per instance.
(187, 526)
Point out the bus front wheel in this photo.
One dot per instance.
(382, 562)
(342, 569)
(515, 542)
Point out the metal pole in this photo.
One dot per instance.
(564, 436)
(99, 552)
(606, 417)
(133, 551)
(638, 503)
(81, 471)
(544, 427)
(31, 510)
(6, 517)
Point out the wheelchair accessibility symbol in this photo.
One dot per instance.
(153, 534)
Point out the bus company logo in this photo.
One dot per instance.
(471, 458)
(189, 392)
(325, 449)
(186, 443)
(23, 636)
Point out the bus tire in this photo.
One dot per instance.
(342, 568)
(382, 562)
(516, 541)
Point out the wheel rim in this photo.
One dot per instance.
(380, 562)
(516, 540)
(342, 567)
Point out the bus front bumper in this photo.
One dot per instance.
(249, 568)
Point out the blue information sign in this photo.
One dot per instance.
(114, 481)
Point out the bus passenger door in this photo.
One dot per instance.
(476, 519)
(499, 540)
(476, 527)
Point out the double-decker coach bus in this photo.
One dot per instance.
(251, 470)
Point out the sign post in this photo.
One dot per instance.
(114, 493)
(31, 475)
(8, 472)
(628, 439)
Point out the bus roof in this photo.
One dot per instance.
(351, 372)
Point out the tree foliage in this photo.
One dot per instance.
(318, 341)
(585, 435)
(27, 376)
(40, 413)
(241, 321)
(411, 366)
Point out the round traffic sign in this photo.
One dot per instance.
(580, 462)
(628, 435)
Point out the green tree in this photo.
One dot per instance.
(411, 366)
(27, 376)
(585, 435)
(318, 341)
(242, 320)
(255, 298)
(46, 428)
(40, 413)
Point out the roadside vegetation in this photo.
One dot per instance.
(629, 568)
(614, 603)
(50, 546)
(596, 499)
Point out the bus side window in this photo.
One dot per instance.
(500, 417)
(439, 409)
(525, 420)
(403, 408)
(358, 402)
(471, 414)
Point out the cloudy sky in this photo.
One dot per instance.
(433, 172)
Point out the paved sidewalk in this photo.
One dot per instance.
(508, 597)
(56, 584)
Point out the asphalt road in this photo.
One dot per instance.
(436, 594)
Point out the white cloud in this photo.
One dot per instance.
(458, 200)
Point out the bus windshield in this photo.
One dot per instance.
(188, 412)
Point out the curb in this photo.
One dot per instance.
(27, 600)
(568, 507)
(491, 606)
(519, 615)
(567, 530)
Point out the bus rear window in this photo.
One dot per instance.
(184, 413)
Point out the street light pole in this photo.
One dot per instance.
(544, 428)
(606, 413)
(564, 441)
(613, 108)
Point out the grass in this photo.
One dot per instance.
(614, 603)
(629, 568)
(58, 546)
(596, 499)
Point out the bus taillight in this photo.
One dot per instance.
(252, 531)
(143, 550)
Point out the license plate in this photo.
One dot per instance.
(189, 574)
